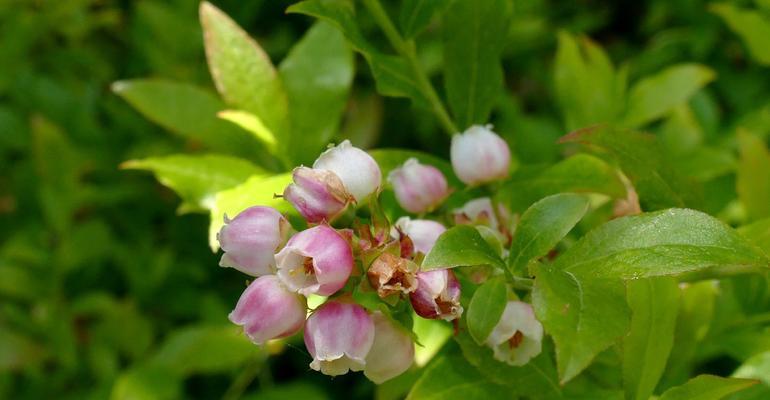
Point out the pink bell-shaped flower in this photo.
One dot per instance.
(480, 155)
(251, 239)
(315, 261)
(437, 295)
(356, 168)
(422, 232)
(478, 212)
(268, 310)
(392, 352)
(318, 195)
(339, 336)
(419, 188)
(518, 336)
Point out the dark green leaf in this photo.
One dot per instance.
(197, 178)
(460, 246)
(706, 387)
(653, 97)
(654, 303)
(241, 70)
(542, 226)
(474, 35)
(416, 15)
(753, 176)
(486, 308)
(751, 25)
(317, 75)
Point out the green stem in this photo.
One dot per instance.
(408, 50)
(244, 379)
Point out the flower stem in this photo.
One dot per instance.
(408, 50)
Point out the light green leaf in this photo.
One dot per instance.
(751, 25)
(642, 160)
(758, 233)
(206, 349)
(581, 173)
(542, 226)
(753, 175)
(256, 191)
(186, 110)
(252, 124)
(241, 70)
(588, 88)
(317, 75)
(706, 387)
(196, 178)
(654, 96)
(654, 303)
(461, 245)
(416, 15)
(451, 377)
(474, 35)
(147, 382)
(486, 308)
(756, 367)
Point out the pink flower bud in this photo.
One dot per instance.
(338, 336)
(267, 310)
(419, 188)
(318, 195)
(437, 295)
(251, 239)
(392, 352)
(356, 168)
(480, 155)
(422, 232)
(477, 212)
(317, 260)
(518, 336)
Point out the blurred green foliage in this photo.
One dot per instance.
(107, 292)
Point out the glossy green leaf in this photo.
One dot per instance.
(588, 88)
(416, 15)
(317, 75)
(252, 124)
(654, 304)
(256, 191)
(581, 173)
(451, 377)
(186, 110)
(486, 308)
(642, 160)
(654, 96)
(474, 35)
(461, 245)
(241, 70)
(751, 25)
(196, 178)
(707, 387)
(753, 176)
(542, 226)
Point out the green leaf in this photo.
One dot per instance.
(317, 75)
(642, 160)
(753, 176)
(18, 352)
(542, 226)
(756, 367)
(461, 245)
(706, 387)
(206, 349)
(486, 308)
(241, 70)
(654, 303)
(752, 26)
(416, 15)
(392, 74)
(474, 35)
(581, 173)
(186, 110)
(147, 382)
(580, 297)
(654, 96)
(451, 377)
(196, 178)
(758, 233)
(252, 124)
(256, 191)
(588, 89)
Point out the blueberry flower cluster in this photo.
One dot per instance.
(379, 257)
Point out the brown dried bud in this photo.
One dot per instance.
(390, 274)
